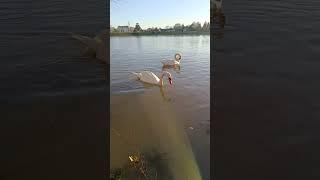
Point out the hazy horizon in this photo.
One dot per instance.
(158, 13)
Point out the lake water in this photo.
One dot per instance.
(39, 57)
(267, 95)
(53, 99)
(174, 120)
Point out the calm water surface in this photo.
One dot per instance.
(52, 98)
(267, 96)
(38, 57)
(153, 118)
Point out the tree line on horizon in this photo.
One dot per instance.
(195, 26)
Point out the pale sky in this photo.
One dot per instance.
(158, 13)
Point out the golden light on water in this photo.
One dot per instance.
(147, 121)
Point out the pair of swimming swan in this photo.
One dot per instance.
(150, 78)
(98, 46)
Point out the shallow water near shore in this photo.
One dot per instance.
(173, 120)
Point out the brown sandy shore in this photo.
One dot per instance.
(60, 137)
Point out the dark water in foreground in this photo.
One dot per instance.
(268, 93)
(38, 57)
(53, 100)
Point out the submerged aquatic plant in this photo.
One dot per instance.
(149, 165)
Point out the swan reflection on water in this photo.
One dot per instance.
(163, 92)
(164, 96)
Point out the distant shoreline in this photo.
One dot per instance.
(158, 34)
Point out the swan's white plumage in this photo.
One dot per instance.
(172, 62)
(151, 78)
(148, 77)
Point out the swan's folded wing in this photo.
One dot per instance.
(149, 77)
(163, 62)
(168, 62)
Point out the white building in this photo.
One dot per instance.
(123, 29)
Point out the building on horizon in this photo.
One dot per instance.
(167, 29)
(125, 29)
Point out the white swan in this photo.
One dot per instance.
(151, 78)
(96, 44)
(172, 62)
